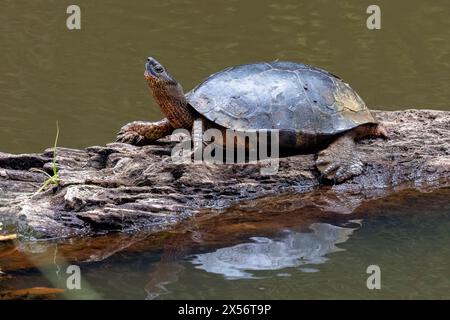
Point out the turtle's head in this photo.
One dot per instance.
(157, 75)
(169, 94)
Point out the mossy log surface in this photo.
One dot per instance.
(120, 187)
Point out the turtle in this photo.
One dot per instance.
(313, 110)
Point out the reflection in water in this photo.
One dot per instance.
(91, 80)
(406, 233)
(294, 249)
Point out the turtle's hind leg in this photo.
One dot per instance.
(339, 161)
(139, 133)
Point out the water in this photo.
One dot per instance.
(92, 80)
(252, 252)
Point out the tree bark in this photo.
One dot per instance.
(120, 187)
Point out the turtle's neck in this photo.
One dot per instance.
(174, 105)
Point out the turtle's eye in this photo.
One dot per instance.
(159, 69)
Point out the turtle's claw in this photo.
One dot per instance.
(126, 135)
(322, 161)
(325, 163)
(137, 140)
(338, 167)
(340, 161)
(354, 168)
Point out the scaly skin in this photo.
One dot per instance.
(339, 161)
(140, 133)
(172, 102)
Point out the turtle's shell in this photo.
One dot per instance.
(280, 95)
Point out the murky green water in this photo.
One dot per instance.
(250, 252)
(92, 79)
(92, 82)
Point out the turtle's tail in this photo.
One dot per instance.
(381, 132)
(371, 130)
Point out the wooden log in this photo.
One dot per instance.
(120, 187)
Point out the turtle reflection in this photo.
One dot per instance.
(293, 249)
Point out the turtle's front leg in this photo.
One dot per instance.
(139, 133)
(339, 161)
